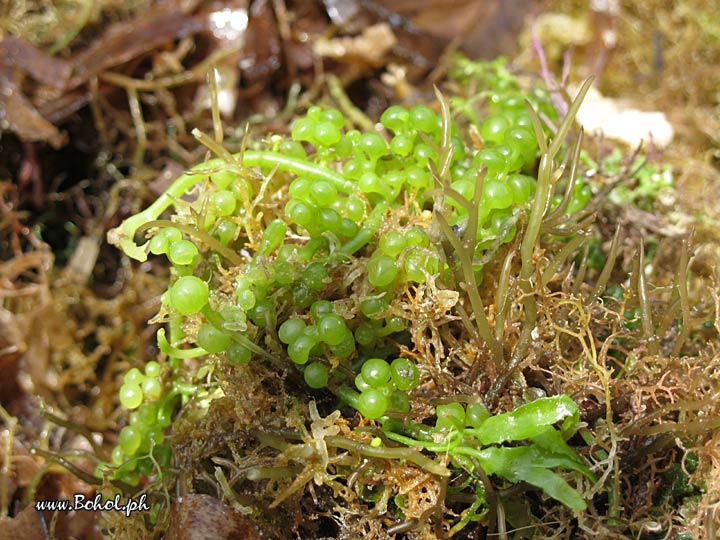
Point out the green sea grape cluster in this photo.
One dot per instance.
(346, 227)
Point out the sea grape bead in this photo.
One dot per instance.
(117, 457)
(301, 188)
(292, 149)
(299, 350)
(493, 129)
(450, 415)
(131, 395)
(372, 403)
(263, 313)
(458, 148)
(314, 112)
(301, 212)
(321, 308)
(302, 129)
(329, 220)
(376, 372)
(401, 145)
(189, 295)
(302, 296)
(326, 134)
(159, 244)
(394, 325)
(130, 440)
(514, 160)
(316, 375)
(152, 389)
(417, 237)
(490, 158)
(152, 369)
(360, 383)
(404, 374)
(284, 272)
(212, 339)
(133, 376)
(225, 231)
(523, 139)
(323, 192)
(423, 119)
(370, 183)
(314, 276)
(348, 228)
(417, 264)
(466, 188)
(223, 179)
(423, 153)
(522, 187)
(497, 194)
(238, 353)
(182, 252)
(344, 147)
(223, 202)
(245, 299)
(381, 270)
(373, 144)
(346, 347)
(291, 329)
(354, 208)
(366, 334)
(333, 116)
(392, 243)
(332, 329)
(373, 306)
(581, 195)
(395, 118)
(242, 189)
(418, 178)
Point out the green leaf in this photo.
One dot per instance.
(527, 421)
(532, 464)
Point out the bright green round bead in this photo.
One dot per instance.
(404, 374)
(392, 243)
(152, 369)
(212, 339)
(450, 415)
(291, 329)
(423, 119)
(189, 295)
(332, 329)
(382, 270)
(152, 388)
(323, 193)
(395, 118)
(376, 372)
(372, 403)
(316, 375)
(130, 440)
(182, 252)
(223, 202)
(131, 395)
(238, 353)
(299, 350)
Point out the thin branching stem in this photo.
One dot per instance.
(644, 304)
